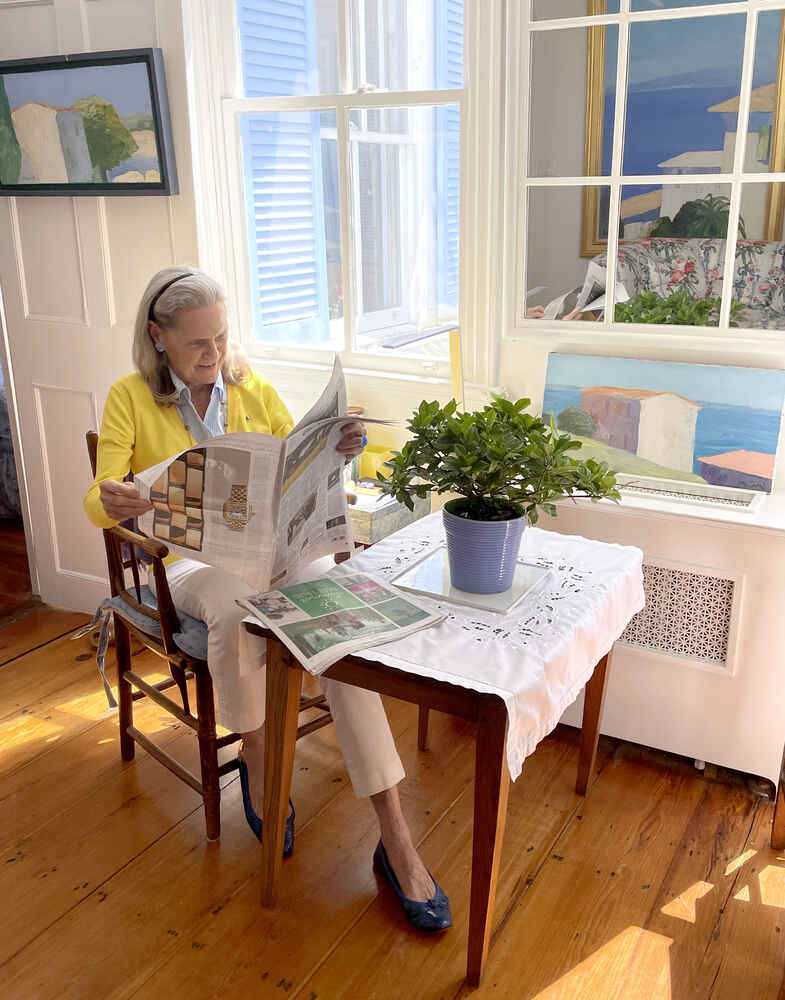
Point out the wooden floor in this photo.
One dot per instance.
(15, 591)
(660, 885)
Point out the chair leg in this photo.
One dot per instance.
(124, 690)
(208, 752)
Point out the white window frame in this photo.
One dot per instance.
(214, 81)
(522, 28)
(237, 269)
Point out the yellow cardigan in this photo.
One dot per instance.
(137, 432)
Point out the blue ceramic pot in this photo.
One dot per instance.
(482, 554)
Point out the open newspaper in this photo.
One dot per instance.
(254, 504)
(344, 611)
(588, 297)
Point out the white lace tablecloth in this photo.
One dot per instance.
(538, 657)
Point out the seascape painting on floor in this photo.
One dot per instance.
(699, 423)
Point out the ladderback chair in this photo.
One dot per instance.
(181, 640)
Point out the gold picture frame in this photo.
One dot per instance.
(591, 243)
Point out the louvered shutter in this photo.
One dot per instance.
(283, 174)
(449, 73)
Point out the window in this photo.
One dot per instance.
(650, 133)
(345, 142)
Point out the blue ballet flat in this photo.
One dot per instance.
(430, 916)
(255, 821)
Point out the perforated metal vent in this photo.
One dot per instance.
(687, 614)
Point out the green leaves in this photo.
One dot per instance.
(678, 309)
(501, 459)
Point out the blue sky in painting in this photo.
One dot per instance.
(706, 49)
(723, 384)
(125, 86)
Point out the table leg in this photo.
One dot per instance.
(594, 700)
(284, 680)
(422, 728)
(491, 787)
(778, 823)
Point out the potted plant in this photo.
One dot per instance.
(504, 465)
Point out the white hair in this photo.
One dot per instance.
(192, 289)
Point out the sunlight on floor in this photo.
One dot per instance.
(635, 965)
(738, 862)
(30, 727)
(772, 886)
(684, 906)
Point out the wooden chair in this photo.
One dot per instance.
(180, 640)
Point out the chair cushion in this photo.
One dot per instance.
(191, 639)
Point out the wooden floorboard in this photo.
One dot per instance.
(15, 589)
(39, 627)
(659, 886)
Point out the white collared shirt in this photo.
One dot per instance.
(214, 422)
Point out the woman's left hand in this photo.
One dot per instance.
(353, 440)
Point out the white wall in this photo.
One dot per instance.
(71, 273)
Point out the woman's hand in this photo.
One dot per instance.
(122, 501)
(353, 440)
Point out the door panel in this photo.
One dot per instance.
(71, 273)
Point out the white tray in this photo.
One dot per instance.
(430, 576)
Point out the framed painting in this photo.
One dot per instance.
(682, 107)
(670, 420)
(96, 123)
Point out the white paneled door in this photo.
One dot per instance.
(71, 273)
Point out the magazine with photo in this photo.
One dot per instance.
(254, 504)
(324, 619)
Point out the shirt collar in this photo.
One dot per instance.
(185, 393)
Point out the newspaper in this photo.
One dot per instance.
(254, 504)
(327, 618)
(588, 297)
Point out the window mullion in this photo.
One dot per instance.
(617, 161)
(344, 46)
(748, 67)
(345, 205)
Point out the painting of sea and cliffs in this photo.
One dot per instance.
(698, 423)
(84, 124)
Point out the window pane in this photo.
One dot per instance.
(659, 4)
(761, 152)
(559, 277)
(582, 144)
(759, 273)
(407, 44)
(682, 74)
(291, 190)
(543, 9)
(405, 187)
(288, 48)
(674, 247)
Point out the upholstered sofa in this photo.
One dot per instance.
(664, 265)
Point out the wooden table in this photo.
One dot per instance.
(284, 679)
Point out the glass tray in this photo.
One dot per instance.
(430, 576)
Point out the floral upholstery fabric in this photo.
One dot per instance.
(665, 265)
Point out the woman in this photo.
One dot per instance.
(191, 384)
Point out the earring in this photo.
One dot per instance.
(159, 347)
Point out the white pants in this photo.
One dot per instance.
(237, 665)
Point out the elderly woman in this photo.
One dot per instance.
(190, 384)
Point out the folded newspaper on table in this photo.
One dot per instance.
(254, 504)
(588, 297)
(327, 618)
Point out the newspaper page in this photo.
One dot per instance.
(254, 504)
(588, 297)
(337, 614)
(313, 516)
